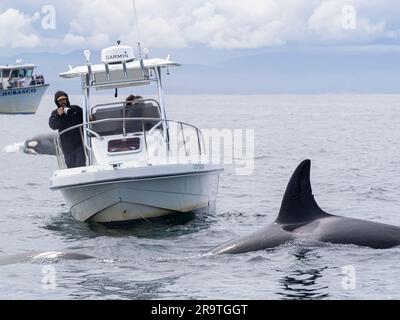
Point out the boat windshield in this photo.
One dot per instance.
(139, 109)
(21, 73)
(5, 73)
(19, 77)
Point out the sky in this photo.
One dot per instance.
(216, 34)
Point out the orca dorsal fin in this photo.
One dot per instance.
(298, 204)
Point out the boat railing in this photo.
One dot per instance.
(37, 80)
(143, 128)
(19, 83)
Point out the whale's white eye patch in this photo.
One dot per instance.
(48, 255)
(33, 144)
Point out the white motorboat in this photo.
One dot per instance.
(139, 164)
(20, 90)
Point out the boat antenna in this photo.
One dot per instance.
(138, 38)
(136, 21)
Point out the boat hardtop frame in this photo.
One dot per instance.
(128, 122)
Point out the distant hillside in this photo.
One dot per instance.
(207, 71)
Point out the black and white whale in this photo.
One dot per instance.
(42, 257)
(40, 144)
(300, 218)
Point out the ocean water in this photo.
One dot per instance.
(353, 142)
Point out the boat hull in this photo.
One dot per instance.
(24, 100)
(117, 201)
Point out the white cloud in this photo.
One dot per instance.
(99, 40)
(15, 30)
(326, 24)
(214, 23)
(73, 40)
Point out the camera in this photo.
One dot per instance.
(67, 111)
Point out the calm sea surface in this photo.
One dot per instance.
(353, 142)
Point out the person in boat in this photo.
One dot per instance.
(11, 83)
(130, 99)
(22, 82)
(66, 116)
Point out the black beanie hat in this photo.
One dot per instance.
(59, 94)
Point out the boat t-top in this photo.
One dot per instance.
(139, 163)
(20, 89)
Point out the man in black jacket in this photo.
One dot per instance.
(66, 116)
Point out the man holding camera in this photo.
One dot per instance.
(66, 116)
